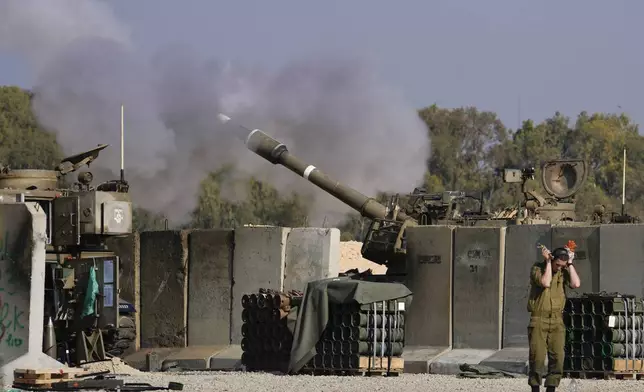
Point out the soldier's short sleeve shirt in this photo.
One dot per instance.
(547, 299)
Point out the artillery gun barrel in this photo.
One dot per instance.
(276, 153)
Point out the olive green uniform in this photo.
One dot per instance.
(546, 331)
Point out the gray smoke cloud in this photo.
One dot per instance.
(334, 113)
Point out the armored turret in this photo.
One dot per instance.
(561, 179)
(80, 217)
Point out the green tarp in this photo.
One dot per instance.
(481, 371)
(313, 313)
(90, 294)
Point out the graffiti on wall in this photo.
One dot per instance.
(11, 323)
(13, 306)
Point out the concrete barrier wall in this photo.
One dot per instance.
(304, 245)
(470, 284)
(608, 258)
(22, 289)
(190, 283)
(164, 288)
(259, 260)
(429, 317)
(586, 254)
(478, 287)
(15, 283)
(210, 279)
(128, 250)
(521, 252)
(621, 256)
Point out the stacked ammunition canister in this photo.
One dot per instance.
(604, 333)
(362, 337)
(266, 339)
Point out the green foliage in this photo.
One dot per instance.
(463, 143)
(23, 144)
(468, 147)
(261, 204)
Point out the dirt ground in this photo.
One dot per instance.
(350, 257)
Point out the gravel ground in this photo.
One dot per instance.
(258, 382)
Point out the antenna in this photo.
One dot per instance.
(621, 125)
(122, 146)
(624, 181)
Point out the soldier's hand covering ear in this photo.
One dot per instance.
(546, 253)
(571, 255)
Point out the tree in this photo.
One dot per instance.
(461, 143)
(261, 204)
(599, 139)
(23, 143)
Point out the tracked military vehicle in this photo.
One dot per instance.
(80, 219)
(385, 242)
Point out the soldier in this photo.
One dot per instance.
(546, 331)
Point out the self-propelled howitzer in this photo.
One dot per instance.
(384, 242)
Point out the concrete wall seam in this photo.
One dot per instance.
(231, 267)
(501, 284)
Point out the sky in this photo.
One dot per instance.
(520, 59)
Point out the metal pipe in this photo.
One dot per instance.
(626, 315)
(586, 306)
(633, 331)
(587, 320)
(588, 336)
(641, 336)
(245, 301)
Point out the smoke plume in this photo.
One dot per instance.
(333, 113)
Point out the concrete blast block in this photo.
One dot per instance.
(128, 249)
(429, 317)
(521, 252)
(478, 287)
(311, 254)
(259, 259)
(586, 256)
(22, 290)
(164, 288)
(210, 287)
(621, 259)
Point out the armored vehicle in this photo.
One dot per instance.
(384, 243)
(84, 316)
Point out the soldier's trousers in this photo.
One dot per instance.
(547, 336)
